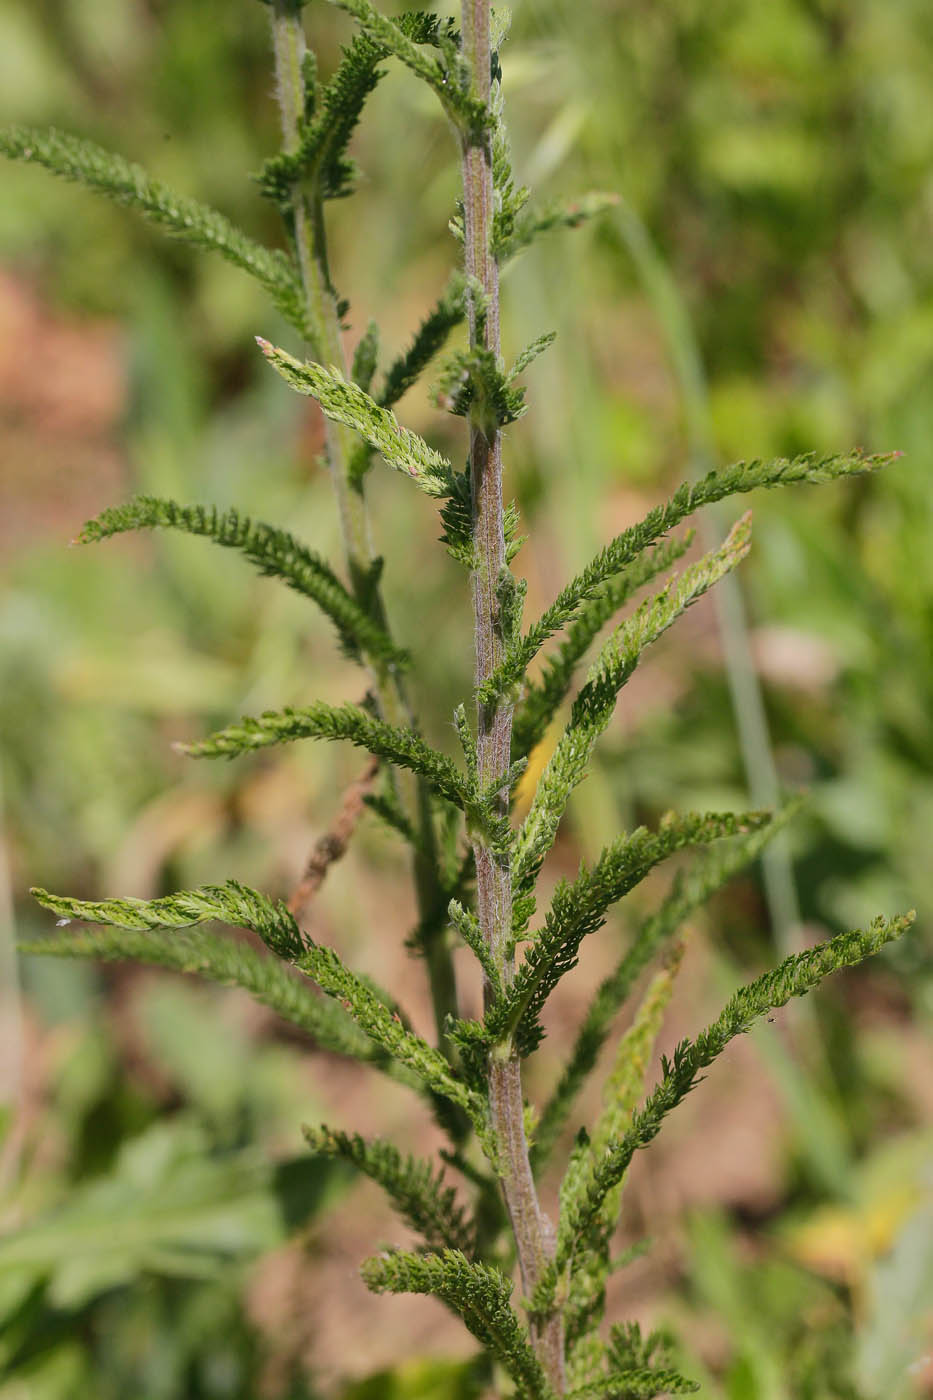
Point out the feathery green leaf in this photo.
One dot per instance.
(580, 908)
(794, 977)
(403, 747)
(543, 697)
(591, 1263)
(593, 707)
(477, 1293)
(449, 79)
(187, 219)
(231, 963)
(419, 1193)
(430, 337)
(531, 353)
(366, 357)
(231, 903)
(245, 908)
(514, 236)
(710, 871)
(467, 925)
(347, 403)
(274, 552)
(643, 1384)
(716, 486)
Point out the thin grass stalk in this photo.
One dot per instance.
(288, 42)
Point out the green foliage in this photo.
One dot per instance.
(690, 891)
(473, 385)
(231, 964)
(447, 77)
(320, 159)
(794, 977)
(348, 404)
(183, 218)
(580, 908)
(543, 696)
(478, 1294)
(271, 920)
(445, 315)
(592, 709)
(519, 233)
(716, 486)
(231, 903)
(274, 552)
(418, 1192)
(471, 1074)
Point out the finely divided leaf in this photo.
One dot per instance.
(187, 219)
(403, 747)
(430, 337)
(529, 224)
(690, 891)
(419, 1193)
(448, 79)
(347, 403)
(272, 921)
(730, 481)
(543, 697)
(274, 552)
(231, 963)
(580, 908)
(231, 903)
(593, 707)
(477, 1293)
(794, 977)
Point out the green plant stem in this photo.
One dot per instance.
(534, 1235)
(288, 42)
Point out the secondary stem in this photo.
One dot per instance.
(326, 346)
(533, 1232)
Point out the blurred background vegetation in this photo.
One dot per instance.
(160, 1228)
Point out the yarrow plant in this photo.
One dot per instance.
(475, 868)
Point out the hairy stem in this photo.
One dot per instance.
(533, 1232)
(288, 41)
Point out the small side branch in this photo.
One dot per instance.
(332, 846)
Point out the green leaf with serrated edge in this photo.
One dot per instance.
(691, 889)
(431, 336)
(274, 552)
(716, 486)
(580, 908)
(479, 1295)
(530, 224)
(593, 707)
(195, 223)
(347, 403)
(623, 1089)
(467, 925)
(544, 696)
(418, 1192)
(447, 80)
(365, 357)
(634, 1385)
(231, 903)
(403, 747)
(794, 977)
(531, 353)
(231, 963)
(236, 904)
